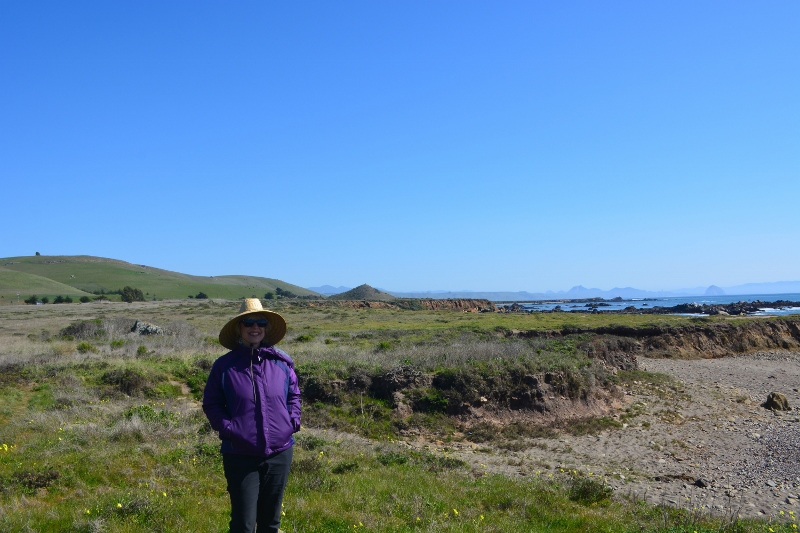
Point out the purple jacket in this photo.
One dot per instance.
(253, 401)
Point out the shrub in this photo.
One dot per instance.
(428, 400)
(588, 491)
(141, 350)
(59, 300)
(84, 329)
(305, 337)
(201, 296)
(284, 294)
(128, 381)
(117, 343)
(32, 300)
(45, 299)
(392, 458)
(85, 347)
(85, 299)
(130, 294)
(269, 296)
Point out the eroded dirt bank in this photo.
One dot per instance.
(697, 341)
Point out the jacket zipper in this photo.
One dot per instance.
(252, 377)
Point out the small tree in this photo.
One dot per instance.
(32, 300)
(130, 294)
(284, 294)
(59, 300)
(67, 299)
(37, 253)
(201, 296)
(85, 299)
(45, 299)
(269, 296)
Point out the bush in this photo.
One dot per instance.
(201, 296)
(84, 329)
(141, 350)
(32, 300)
(85, 299)
(45, 299)
(284, 294)
(588, 491)
(59, 300)
(269, 296)
(128, 381)
(85, 347)
(130, 294)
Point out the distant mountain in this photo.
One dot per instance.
(575, 293)
(775, 287)
(579, 292)
(363, 292)
(327, 290)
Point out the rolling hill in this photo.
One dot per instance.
(364, 292)
(77, 275)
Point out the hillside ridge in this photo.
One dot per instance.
(83, 274)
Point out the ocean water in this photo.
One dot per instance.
(649, 303)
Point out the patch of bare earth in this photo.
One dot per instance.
(701, 440)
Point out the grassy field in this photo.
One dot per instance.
(100, 429)
(87, 274)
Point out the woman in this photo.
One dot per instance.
(253, 401)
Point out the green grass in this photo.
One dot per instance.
(25, 284)
(113, 440)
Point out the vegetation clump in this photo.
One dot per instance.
(130, 294)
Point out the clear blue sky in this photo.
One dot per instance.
(411, 145)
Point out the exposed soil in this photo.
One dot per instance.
(707, 445)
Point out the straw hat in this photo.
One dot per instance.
(275, 330)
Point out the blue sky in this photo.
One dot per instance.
(410, 145)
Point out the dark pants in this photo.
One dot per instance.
(255, 485)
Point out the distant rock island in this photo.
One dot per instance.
(713, 290)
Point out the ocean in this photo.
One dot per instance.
(647, 303)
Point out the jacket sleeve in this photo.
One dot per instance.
(293, 400)
(214, 404)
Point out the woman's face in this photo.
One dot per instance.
(253, 334)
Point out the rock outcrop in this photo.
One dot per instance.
(146, 328)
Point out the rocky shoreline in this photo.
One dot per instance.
(737, 309)
(597, 305)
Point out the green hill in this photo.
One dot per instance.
(364, 292)
(24, 284)
(87, 274)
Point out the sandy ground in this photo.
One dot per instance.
(709, 445)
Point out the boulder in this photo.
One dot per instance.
(146, 328)
(777, 402)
